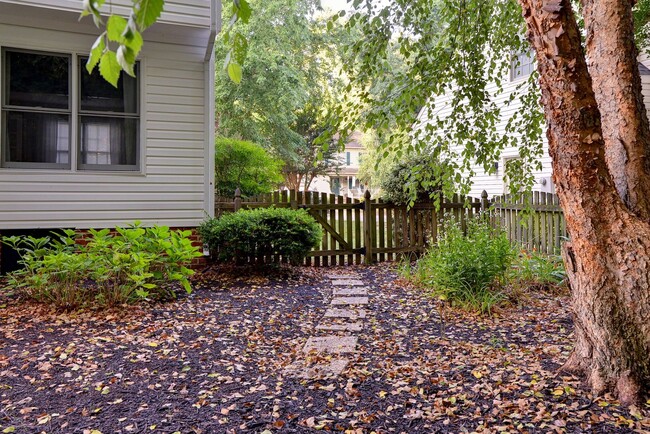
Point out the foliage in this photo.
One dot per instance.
(254, 234)
(109, 269)
(534, 269)
(123, 32)
(309, 159)
(467, 269)
(415, 178)
(244, 165)
(292, 68)
(450, 51)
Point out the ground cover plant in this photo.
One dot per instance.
(466, 266)
(214, 362)
(108, 268)
(252, 235)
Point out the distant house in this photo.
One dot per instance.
(77, 153)
(345, 179)
(495, 183)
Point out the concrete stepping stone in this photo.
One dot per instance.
(343, 276)
(347, 282)
(333, 368)
(356, 290)
(338, 301)
(352, 314)
(350, 327)
(331, 344)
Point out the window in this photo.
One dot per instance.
(36, 110)
(347, 158)
(522, 65)
(39, 115)
(336, 185)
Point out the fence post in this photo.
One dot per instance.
(237, 200)
(367, 227)
(484, 202)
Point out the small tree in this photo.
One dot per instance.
(247, 166)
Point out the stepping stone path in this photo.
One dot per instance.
(344, 317)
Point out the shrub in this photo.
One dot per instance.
(412, 179)
(129, 265)
(253, 234)
(467, 269)
(247, 166)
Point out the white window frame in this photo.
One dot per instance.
(522, 65)
(74, 157)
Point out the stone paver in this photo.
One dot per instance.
(331, 344)
(343, 276)
(350, 327)
(356, 290)
(347, 282)
(352, 314)
(338, 301)
(331, 369)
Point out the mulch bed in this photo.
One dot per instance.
(214, 362)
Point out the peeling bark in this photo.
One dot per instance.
(608, 259)
(614, 69)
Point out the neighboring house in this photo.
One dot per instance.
(77, 153)
(495, 183)
(345, 181)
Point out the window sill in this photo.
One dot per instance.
(68, 172)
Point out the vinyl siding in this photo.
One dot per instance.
(494, 183)
(185, 12)
(173, 186)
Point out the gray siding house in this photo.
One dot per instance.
(77, 153)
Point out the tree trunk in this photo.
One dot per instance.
(617, 86)
(608, 259)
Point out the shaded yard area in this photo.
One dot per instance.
(214, 362)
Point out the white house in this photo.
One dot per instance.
(345, 179)
(494, 183)
(77, 153)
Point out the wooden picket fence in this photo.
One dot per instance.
(535, 221)
(370, 230)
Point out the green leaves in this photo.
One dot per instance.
(234, 72)
(110, 68)
(125, 33)
(147, 12)
(241, 11)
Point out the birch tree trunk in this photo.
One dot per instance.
(608, 259)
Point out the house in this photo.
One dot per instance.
(77, 153)
(495, 183)
(345, 179)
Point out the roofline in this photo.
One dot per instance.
(215, 27)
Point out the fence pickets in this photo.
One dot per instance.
(370, 230)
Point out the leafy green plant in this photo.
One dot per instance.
(467, 269)
(532, 269)
(253, 234)
(109, 268)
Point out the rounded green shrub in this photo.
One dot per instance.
(251, 235)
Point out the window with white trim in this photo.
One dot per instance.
(38, 115)
(522, 65)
